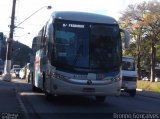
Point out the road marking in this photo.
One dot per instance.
(23, 108)
(30, 93)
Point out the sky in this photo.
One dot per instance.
(29, 28)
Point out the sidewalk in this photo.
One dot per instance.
(150, 94)
(9, 104)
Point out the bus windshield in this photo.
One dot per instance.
(92, 46)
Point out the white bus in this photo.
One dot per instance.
(78, 53)
(129, 75)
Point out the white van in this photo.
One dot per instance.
(129, 75)
(16, 66)
(22, 73)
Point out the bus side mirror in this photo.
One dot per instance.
(126, 38)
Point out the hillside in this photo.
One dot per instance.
(20, 53)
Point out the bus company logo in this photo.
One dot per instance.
(89, 82)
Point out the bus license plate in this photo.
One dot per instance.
(88, 90)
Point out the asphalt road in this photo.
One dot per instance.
(85, 107)
(36, 106)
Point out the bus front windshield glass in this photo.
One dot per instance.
(91, 46)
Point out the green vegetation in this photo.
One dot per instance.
(147, 85)
(20, 53)
(143, 23)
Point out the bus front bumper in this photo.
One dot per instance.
(60, 87)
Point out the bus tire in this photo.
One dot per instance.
(100, 98)
(48, 96)
(34, 88)
(132, 93)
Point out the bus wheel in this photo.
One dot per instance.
(48, 96)
(34, 88)
(100, 98)
(132, 93)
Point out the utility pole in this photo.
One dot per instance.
(6, 75)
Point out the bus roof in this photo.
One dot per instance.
(83, 17)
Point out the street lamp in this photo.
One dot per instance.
(6, 75)
(48, 7)
(23, 35)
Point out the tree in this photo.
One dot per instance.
(143, 22)
(152, 25)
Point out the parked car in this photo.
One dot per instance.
(157, 74)
(145, 79)
(157, 79)
(15, 72)
(24, 72)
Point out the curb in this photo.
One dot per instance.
(139, 89)
(147, 94)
